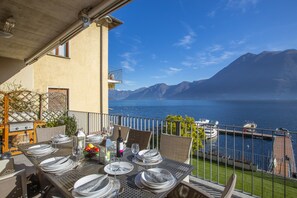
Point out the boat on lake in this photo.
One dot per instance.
(282, 132)
(249, 127)
(210, 127)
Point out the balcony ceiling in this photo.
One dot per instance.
(40, 22)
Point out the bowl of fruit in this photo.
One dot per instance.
(91, 151)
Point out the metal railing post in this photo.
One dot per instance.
(120, 120)
(177, 128)
(88, 122)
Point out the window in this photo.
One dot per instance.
(62, 50)
(58, 99)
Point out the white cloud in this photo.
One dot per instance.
(243, 5)
(154, 56)
(212, 13)
(238, 42)
(172, 70)
(164, 61)
(211, 58)
(215, 48)
(129, 82)
(129, 61)
(187, 40)
(187, 63)
(159, 77)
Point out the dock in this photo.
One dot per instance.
(246, 134)
(284, 160)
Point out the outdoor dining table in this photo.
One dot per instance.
(65, 182)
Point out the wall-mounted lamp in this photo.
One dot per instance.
(9, 24)
(83, 15)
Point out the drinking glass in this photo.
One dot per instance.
(135, 149)
(114, 166)
(76, 149)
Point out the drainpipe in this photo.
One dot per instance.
(101, 76)
(107, 20)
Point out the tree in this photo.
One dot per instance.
(187, 128)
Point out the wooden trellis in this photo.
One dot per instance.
(27, 106)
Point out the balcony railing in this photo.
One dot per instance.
(263, 159)
(114, 77)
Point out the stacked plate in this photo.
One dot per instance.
(155, 179)
(40, 150)
(95, 185)
(118, 168)
(148, 157)
(57, 165)
(94, 138)
(60, 139)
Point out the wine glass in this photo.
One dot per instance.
(114, 166)
(135, 149)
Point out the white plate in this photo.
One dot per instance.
(139, 184)
(141, 154)
(39, 151)
(97, 140)
(59, 141)
(39, 146)
(102, 189)
(147, 181)
(42, 152)
(141, 163)
(111, 188)
(139, 159)
(57, 167)
(123, 168)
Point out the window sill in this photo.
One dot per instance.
(64, 57)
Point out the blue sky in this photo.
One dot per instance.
(170, 41)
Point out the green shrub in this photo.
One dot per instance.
(188, 128)
(69, 121)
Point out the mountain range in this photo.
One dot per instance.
(268, 75)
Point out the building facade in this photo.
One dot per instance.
(78, 68)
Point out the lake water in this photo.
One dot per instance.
(267, 114)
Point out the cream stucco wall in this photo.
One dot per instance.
(14, 72)
(80, 73)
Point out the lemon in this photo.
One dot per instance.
(90, 145)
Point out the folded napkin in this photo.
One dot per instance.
(157, 177)
(150, 153)
(91, 185)
(60, 138)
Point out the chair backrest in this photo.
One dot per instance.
(45, 134)
(13, 184)
(175, 147)
(229, 188)
(187, 190)
(143, 138)
(6, 165)
(124, 132)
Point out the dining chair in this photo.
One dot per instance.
(45, 134)
(187, 190)
(176, 147)
(6, 165)
(124, 132)
(143, 138)
(229, 188)
(14, 183)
